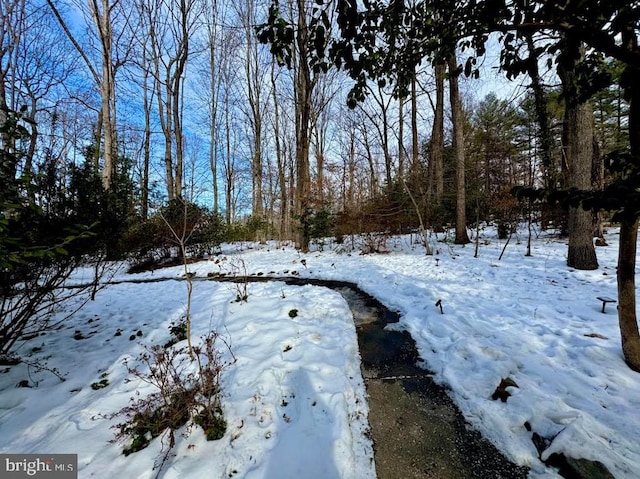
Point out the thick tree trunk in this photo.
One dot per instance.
(627, 315)
(458, 147)
(627, 294)
(303, 87)
(581, 253)
(578, 124)
(107, 92)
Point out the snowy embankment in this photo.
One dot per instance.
(293, 399)
(295, 391)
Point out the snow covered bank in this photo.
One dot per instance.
(530, 319)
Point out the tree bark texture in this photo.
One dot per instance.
(436, 150)
(401, 137)
(254, 87)
(458, 148)
(303, 88)
(282, 181)
(627, 315)
(627, 294)
(102, 20)
(578, 150)
(415, 148)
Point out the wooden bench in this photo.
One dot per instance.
(605, 300)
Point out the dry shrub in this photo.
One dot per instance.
(186, 389)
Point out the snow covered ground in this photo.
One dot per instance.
(294, 399)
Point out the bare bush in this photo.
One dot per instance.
(186, 391)
(374, 243)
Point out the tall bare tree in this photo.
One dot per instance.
(114, 51)
(380, 119)
(32, 67)
(436, 144)
(457, 120)
(322, 115)
(170, 26)
(280, 156)
(212, 16)
(12, 26)
(255, 71)
(305, 81)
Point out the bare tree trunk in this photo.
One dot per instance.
(458, 147)
(542, 116)
(33, 139)
(146, 141)
(170, 26)
(254, 96)
(578, 124)
(213, 133)
(211, 27)
(581, 254)
(282, 181)
(230, 166)
(401, 137)
(436, 150)
(627, 294)
(627, 315)
(597, 183)
(388, 166)
(415, 148)
(179, 140)
(166, 122)
(350, 199)
(184, 15)
(319, 150)
(303, 88)
(383, 101)
(105, 81)
(373, 176)
(102, 19)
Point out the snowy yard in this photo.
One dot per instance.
(294, 398)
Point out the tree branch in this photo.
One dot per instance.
(73, 40)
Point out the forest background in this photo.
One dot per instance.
(132, 127)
